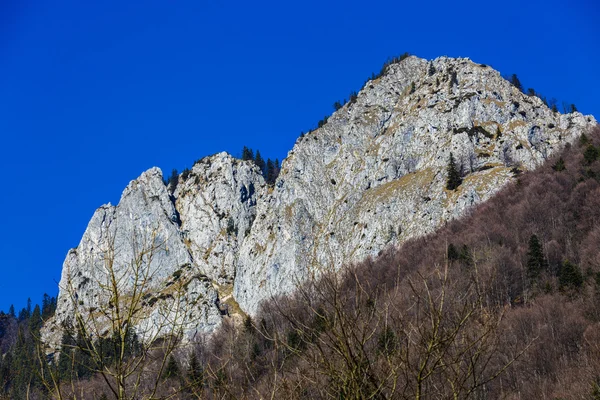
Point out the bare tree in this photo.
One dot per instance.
(358, 336)
(128, 335)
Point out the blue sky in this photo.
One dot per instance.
(92, 93)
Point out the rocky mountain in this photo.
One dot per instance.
(374, 175)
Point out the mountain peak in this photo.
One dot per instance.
(373, 175)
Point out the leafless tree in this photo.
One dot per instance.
(127, 337)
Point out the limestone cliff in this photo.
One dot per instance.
(372, 176)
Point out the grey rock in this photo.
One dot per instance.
(373, 176)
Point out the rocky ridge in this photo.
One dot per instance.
(374, 175)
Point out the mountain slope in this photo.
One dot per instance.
(375, 173)
(503, 303)
(372, 176)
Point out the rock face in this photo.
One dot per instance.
(374, 175)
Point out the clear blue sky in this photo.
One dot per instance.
(92, 93)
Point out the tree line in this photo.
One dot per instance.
(551, 103)
(502, 303)
(270, 168)
(19, 345)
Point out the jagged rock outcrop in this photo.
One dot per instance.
(145, 240)
(217, 206)
(374, 175)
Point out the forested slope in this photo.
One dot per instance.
(504, 303)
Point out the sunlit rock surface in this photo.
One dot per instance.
(374, 175)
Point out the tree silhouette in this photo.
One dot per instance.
(270, 178)
(173, 181)
(516, 82)
(454, 178)
(569, 275)
(247, 154)
(260, 162)
(536, 262)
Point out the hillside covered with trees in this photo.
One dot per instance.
(504, 303)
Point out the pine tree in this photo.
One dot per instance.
(45, 306)
(185, 174)
(11, 311)
(353, 97)
(465, 255)
(194, 373)
(431, 69)
(171, 369)
(48, 306)
(516, 82)
(260, 162)
(173, 180)
(247, 154)
(453, 80)
(452, 252)
(569, 275)
(35, 321)
(270, 172)
(560, 165)
(590, 154)
(23, 363)
(536, 262)
(454, 179)
(248, 324)
(65, 368)
(22, 315)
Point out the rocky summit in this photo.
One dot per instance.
(373, 175)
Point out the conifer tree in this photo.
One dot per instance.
(270, 172)
(516, 82)
(35, 321)
(173, 180)
(430, 69)
(536, 262)
(465, 255)
(171, 369)
(260, 162)
(569, 275)
(45, 305)
(247, 154)
(560, 165)
(194, 373)
(452, 252)
(48, 306)
(590, 154)
(454, 179)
